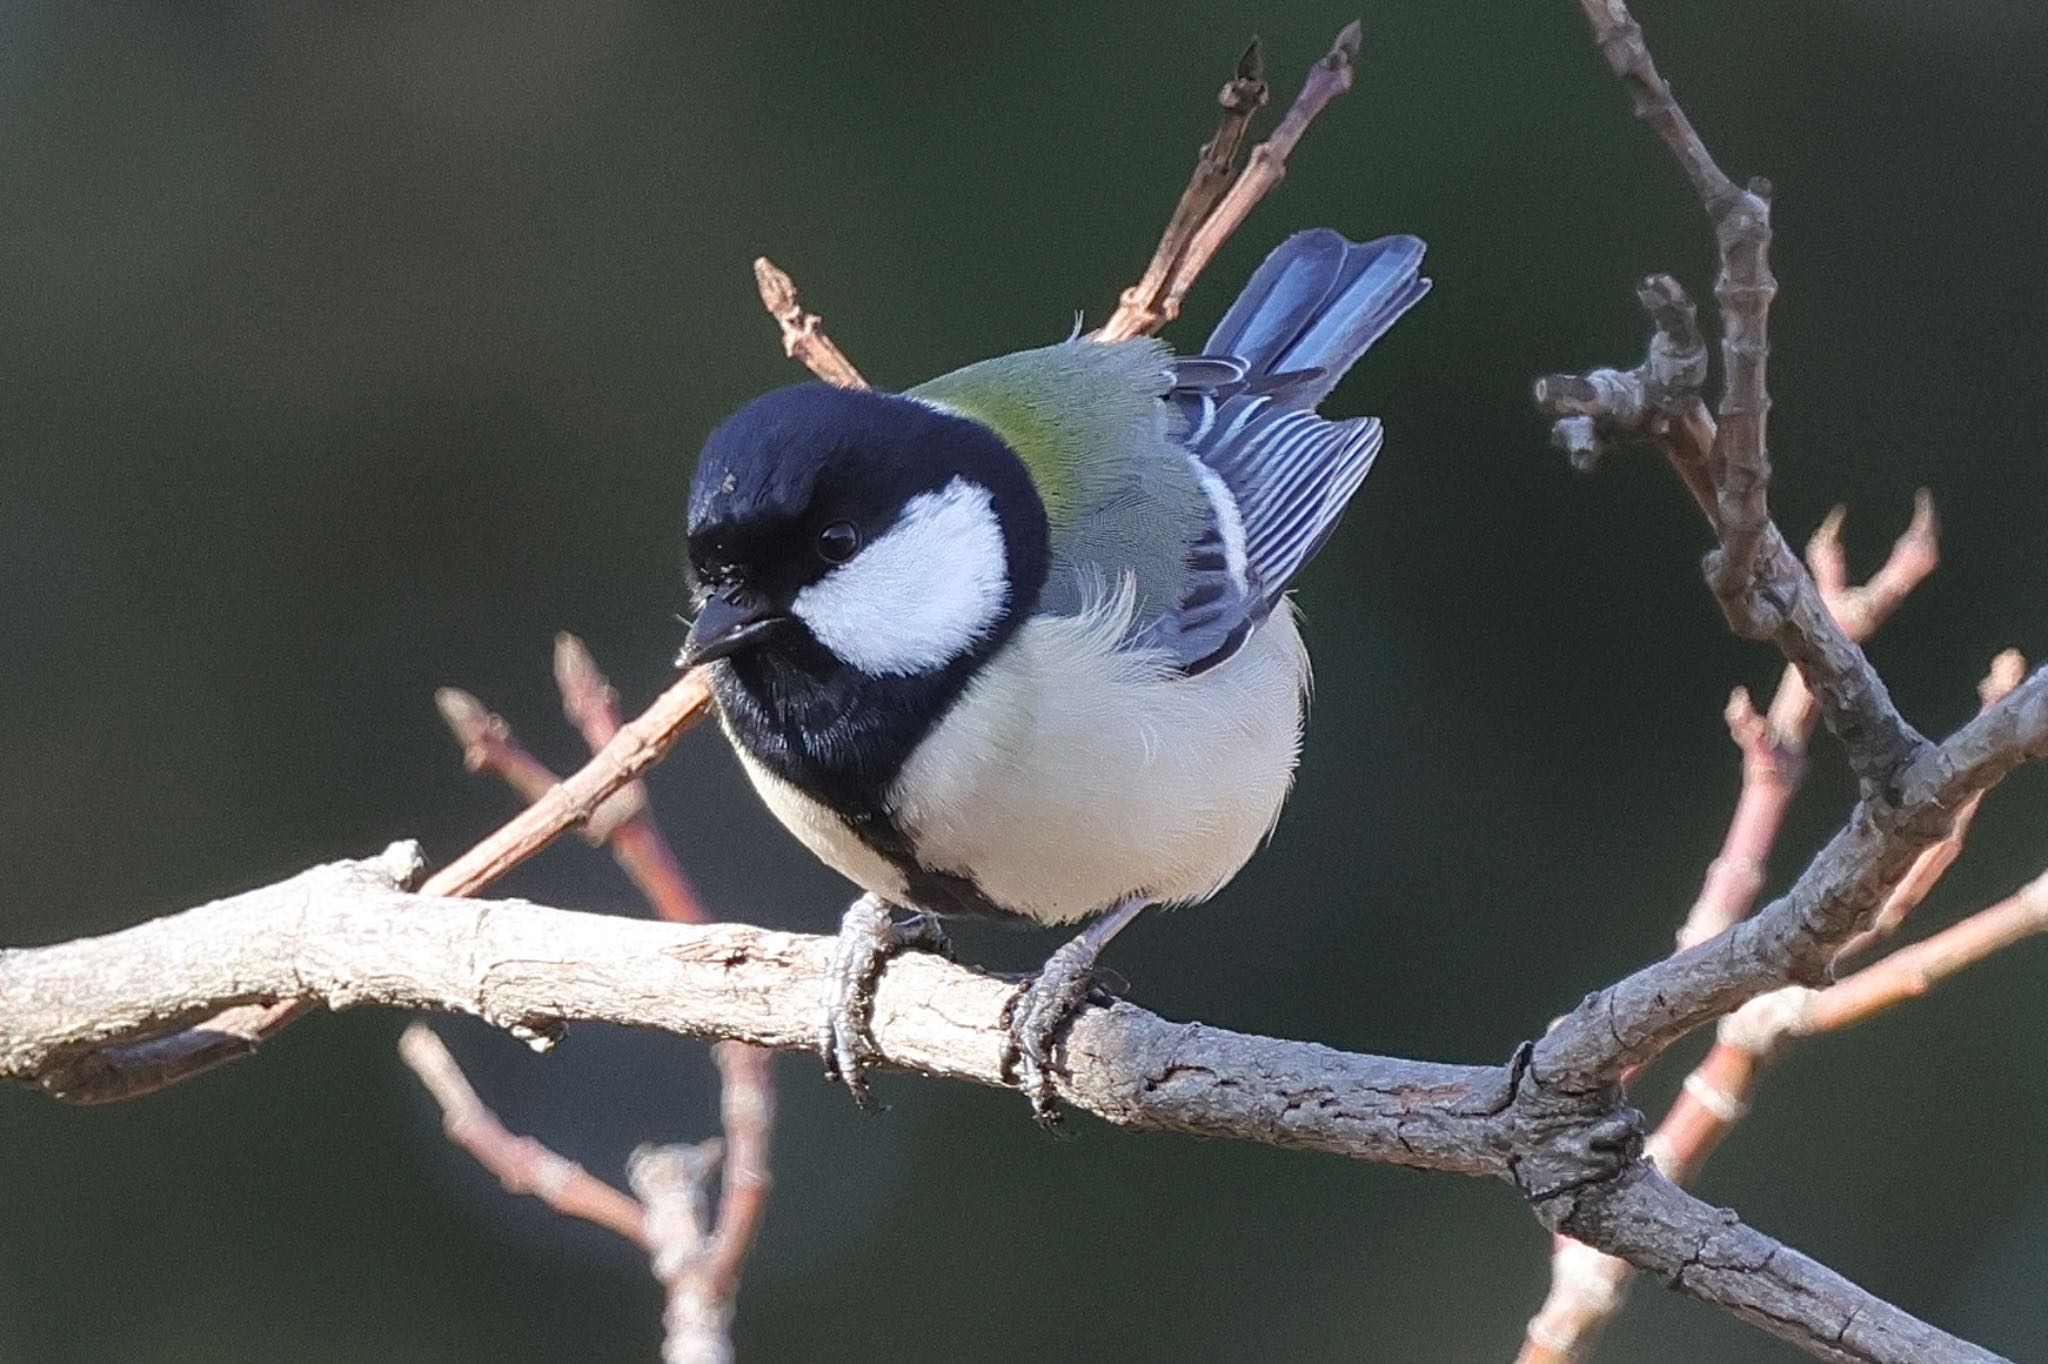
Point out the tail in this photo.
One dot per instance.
(1248, 402)
(1315, 306)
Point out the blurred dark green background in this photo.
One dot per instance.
(347, 350)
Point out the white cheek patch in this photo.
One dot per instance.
(921, 595)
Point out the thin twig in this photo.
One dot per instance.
(1190, 241)
(522, 1164)
(746, 1074)
(673, 1183)
(132, 1069)
(592, 705)
(803, 334)
(701, 1285)
(1139, 312)
(1773, 745)
(639, 744)
(746, 1110)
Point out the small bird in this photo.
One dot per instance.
(1016, 642)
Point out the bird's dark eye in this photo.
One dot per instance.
(838, 542)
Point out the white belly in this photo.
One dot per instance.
(1071, 776)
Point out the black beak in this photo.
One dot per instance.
(724, 628)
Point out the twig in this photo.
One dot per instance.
(1912, 971)
(1742, 229)
(672, 1182)
(522, 1164)
(1588, 410)
(347, 935)
(702, 1284)
(488, 746)
(142, 1067)
(1139, 311)
(1762, 589)
(746, 1112)
(572, 803)
(137, 1068)
(803, 335)
(1207, 215)
(636, 841)
(1773, 745)
(1218, 198)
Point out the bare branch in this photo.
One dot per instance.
(1762, 588)
(1794, 939)
(572, 803)
(138, 1068)
(1190, 241)
(1139, 312)
(488, 745)
(1910, 787)
(1774, 746)
(129, 1070)
(746, 1110)
(1588, 1288)
(1912, 971)
(522, 1164)
(348, 935)
(673, 1183)
(803, 334)
(702, 1283)
(1707, 1252)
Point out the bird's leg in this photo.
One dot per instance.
(868, 937)
(1044, 1004)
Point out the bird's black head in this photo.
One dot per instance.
(854, 558)
(892, 535)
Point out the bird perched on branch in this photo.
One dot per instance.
(1016, 641)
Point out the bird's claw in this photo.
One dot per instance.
(1034, 1016)
(868, 937)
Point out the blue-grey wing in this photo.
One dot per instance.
(1277, 474)
(1220, 601)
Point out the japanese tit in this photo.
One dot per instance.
(1016, 641)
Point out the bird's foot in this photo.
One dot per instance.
(868, 936)
(1042, 1006)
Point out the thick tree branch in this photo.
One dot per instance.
(348, 934)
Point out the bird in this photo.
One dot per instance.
(1016, 641)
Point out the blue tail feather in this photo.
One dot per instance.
(1304, 319)
(1317, 304)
